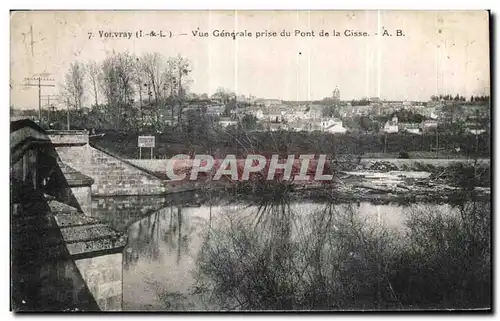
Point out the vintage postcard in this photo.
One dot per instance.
(250, 160)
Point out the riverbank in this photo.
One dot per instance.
(159, 166)
(374, 180)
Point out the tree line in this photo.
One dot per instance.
(132, 91)
(458, 97)
(125, 86)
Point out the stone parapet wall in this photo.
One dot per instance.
(111, 175)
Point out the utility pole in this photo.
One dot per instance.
(477, 144)
(385, 143)
(49, 106)
(49, 98)
(52, 109)
(67, 103)
(38, 83)
(140, 106)
(437, 143)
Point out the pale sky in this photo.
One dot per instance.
(441, 52)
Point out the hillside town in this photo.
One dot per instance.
(330, 115)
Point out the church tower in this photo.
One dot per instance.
(336, 94)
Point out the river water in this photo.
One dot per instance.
(163, 245)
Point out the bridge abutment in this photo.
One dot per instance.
(112, 175)
(62, 258)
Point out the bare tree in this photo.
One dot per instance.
(170, 81)
(93, 75)
(118, 74)
(180, 69)
(126, 74)
(227, 98)
(224, 95)
(73, 88)
(154, 66)
(140, 82)
(155, 70)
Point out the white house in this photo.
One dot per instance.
(413, 128)
(476, 131)
(415, 131)
(225, 121)
(330, 122)
(335, 128)
(391, 126)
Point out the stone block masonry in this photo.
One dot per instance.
(64, 259)
(111, 175)
(73, 188)
(103, 277)
(119, 212)
(84, 198)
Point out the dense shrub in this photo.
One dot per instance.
(332, 259)
(404, 155)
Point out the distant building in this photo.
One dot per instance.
(293, 115)
(300, 125)
(413, 128)
(431, 113)
(169, 121)
(474, 128)
(360, 110)
(315, 111)
(271, 102)
(391, 126)
(276, 127)
(273, 115)
(476, 131)
(215, 110)
(428, 125)
(257, 112)
(333, 126)
(226, 121)
(327, 122)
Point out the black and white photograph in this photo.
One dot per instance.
(250, 160)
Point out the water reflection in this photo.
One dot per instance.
(160, 258)
(329, 256)
(160, 253)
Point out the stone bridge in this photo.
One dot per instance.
(62, 256)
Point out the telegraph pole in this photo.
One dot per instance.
(49, 106)
(38, 83)
(49, 98)
(140, 106)
(437, 143)
(52, 109)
